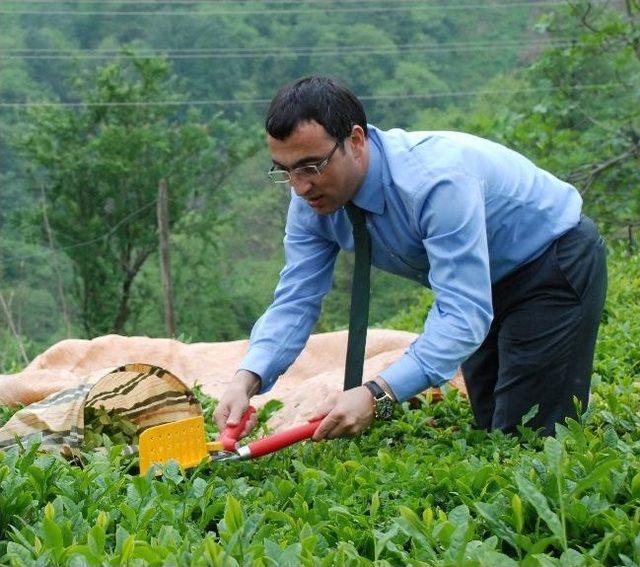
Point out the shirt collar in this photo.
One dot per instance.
(370, 196)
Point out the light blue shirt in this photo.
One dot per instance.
(449, 210)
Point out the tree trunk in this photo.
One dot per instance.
(165, 260)
(9, 317)
(123, 307)
(56, 266)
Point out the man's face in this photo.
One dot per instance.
(310, 144)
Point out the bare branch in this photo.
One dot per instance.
(583, 16)
(628, 132)
(9, 318)
(56, 264)
(594, 170)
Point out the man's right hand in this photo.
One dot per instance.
(235, 401)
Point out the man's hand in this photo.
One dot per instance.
(235, 401)
(351, 413)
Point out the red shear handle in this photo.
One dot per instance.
(278, 441)
(231, 434)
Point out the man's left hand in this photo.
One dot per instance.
(351, 413)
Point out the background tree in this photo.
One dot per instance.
(576, 110)
(101, 165)
(533, 76)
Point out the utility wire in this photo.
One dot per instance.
(210, 2)
(277, 49)
(279, 12)
(231, 102)
(264, 101)
(105, 236)
(316, 52)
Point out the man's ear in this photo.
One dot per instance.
(358, 141)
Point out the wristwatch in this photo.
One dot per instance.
(382, 402)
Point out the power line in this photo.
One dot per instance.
(278, 11)
(231, 102)
(286, 52)
(278, 49)
(211, 2)
(105, 236)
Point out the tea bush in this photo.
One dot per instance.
(424, 489)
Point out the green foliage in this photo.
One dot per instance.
(576, 114)
(413, 317)
(424, 489)
(103, 428)
(223, 273)
(6, 413)
(227, 231)
(101, 167)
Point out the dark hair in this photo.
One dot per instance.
(318, 98)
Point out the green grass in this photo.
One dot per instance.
(5, 414)
(405, 493)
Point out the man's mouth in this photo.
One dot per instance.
(315, 202)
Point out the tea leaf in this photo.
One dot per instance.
(532, 495)
(516, 506)
(498, 526)
(600, 472)
(52, 535)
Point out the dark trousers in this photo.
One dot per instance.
(540, 346)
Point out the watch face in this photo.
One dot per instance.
(384, 408)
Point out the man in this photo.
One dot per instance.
(519, 275)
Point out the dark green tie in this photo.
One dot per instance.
(360, 286)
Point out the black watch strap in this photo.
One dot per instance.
(375, 389)
(382, 402)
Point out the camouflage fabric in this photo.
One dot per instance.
(144, 394)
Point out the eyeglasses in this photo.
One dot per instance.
(278, 174)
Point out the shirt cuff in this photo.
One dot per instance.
(406, 378)
(260, 361)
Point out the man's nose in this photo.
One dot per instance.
(301, 186)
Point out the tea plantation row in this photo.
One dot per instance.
(425, 489)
